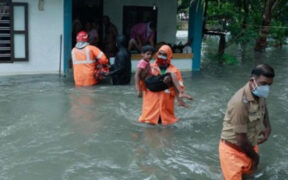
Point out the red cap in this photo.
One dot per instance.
(82, 36)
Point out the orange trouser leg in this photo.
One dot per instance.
(233, 162)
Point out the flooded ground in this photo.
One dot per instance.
(51, 130)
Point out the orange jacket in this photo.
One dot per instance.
(86, 63)
(160, 104)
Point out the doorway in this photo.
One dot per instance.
(138, 14)
(87, 15)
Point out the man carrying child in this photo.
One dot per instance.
(160, 83)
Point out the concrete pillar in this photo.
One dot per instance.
(195, 32)
(67, 34)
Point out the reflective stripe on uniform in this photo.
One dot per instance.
(73, 55)
(84, 62)
(87, 61)
(99, 55)
(87, 54)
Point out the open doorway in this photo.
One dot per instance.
(132, 15)
(87, 15)
(137, 14)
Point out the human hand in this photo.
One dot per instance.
(139, 94)
(105, 73)
(98, 66)
(106, 66)
(264, 134)
(167, 80)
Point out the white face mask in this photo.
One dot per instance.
(162, 57)
(261, 91)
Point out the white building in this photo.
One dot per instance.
(36, 35)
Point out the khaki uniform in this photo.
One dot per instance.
(244, 114)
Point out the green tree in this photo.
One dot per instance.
(261, 42)
(245, 20)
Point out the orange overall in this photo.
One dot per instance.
(87, 63)
(158, 105)
(234, 163)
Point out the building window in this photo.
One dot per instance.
(13, 31)
(20, 31)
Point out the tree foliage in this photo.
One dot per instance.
(243, 18)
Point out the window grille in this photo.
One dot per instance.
(5, 31)
(13, 31)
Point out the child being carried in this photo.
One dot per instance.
(159, 82)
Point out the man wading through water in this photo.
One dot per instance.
(242, 132)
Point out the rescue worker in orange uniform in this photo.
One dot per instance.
(158, 107)
(242, 126)
(89, 62)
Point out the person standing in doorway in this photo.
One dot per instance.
(92, 30)
(242, 133)
(120, 71)
(110, 36)
(89, 62)
(142, 34)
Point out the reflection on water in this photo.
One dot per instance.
(52, 130)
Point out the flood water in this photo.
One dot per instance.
(51, 130)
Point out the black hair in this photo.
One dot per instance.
(264, 70)
(147, 48)
(121, 41)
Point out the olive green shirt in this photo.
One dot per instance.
(244, 114)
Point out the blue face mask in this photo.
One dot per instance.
(162, 57)
(261, 91)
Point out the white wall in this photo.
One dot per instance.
(166, 27)
(45, 28)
